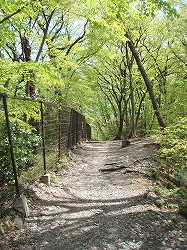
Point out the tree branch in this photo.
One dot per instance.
(77, 40)
(13, 14)
(45, 33)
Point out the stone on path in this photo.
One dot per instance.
(20, 204)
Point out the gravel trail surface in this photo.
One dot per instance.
(104, 200)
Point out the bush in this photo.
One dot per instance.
(183, 211)
(173, 160)
(25, 143)
(173, 151)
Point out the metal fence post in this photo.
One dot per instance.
(76, 127)
(71, 127)
(11, 144)
(59, 134)
(84, 129)
(43, 137)
(88, 131)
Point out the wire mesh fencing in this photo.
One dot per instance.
(34, 135)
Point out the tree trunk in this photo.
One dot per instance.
(129, 65)
(120, 128)
(140, 106)
(147, 82)
(30, 85)
(133, 124)
(26, 49)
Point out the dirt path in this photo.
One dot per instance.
(105, 200)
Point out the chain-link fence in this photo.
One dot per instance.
(34, 136)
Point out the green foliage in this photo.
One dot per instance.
(173, 159)
(157, 190)
(172, 205)
(160, 202)
(53, 179)
(62, 66)
(25, 143)
(66, 78)
(170, 192)
(183, 211)
(174, 219)
(154, 175)
(57, 167)
(169, 184)
(173, 151)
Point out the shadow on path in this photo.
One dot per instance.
(105, 224)
(89, 210)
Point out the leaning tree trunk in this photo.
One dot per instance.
(147, 82)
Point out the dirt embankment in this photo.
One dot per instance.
(104, 200)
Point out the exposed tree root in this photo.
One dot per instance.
(136, 171)
(116, 168)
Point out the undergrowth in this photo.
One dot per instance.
(173, 163)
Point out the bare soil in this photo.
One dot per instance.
(104, 199)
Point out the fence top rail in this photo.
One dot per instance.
(37, 101)
(18, 98)
(30, 99)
